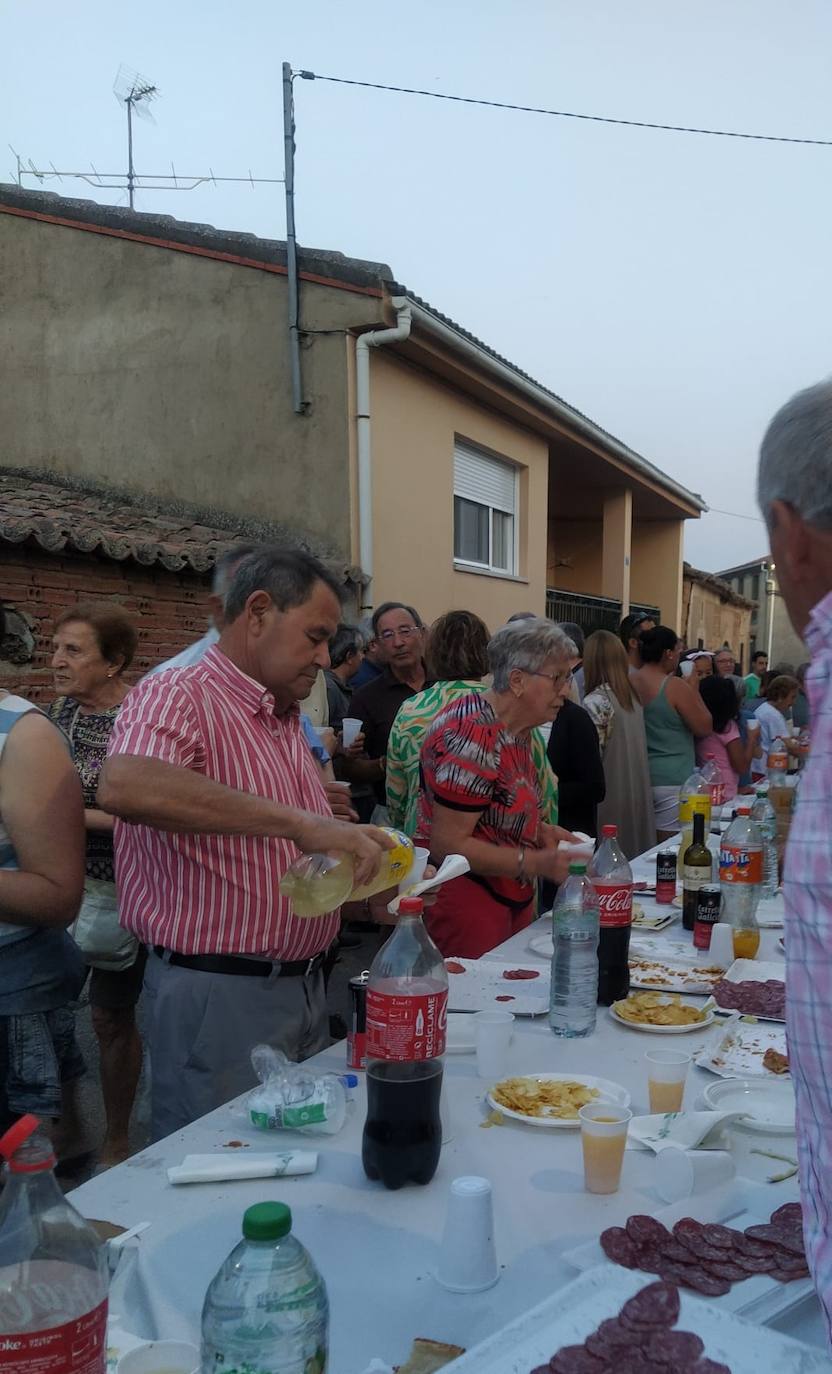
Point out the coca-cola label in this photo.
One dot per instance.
(717, 794)
(78, 1347)
(615, 901)
(404, 1027)
(740, 865)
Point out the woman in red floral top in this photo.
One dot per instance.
(480, 794)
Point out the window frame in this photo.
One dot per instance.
(490, 567)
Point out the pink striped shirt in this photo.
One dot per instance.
(216, 894)
(808, 892)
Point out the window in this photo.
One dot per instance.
(485, 510)
(755, 588)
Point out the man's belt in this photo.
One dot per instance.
(241, 967)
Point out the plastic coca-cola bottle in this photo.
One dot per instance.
(407, 1011)
(53, 1267)
(613, 879)
(713, 777)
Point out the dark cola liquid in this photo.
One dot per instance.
(403, 1131)
(613, 964)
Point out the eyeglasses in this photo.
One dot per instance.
(556, 679)
(403, 632)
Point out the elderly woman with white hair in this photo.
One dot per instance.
(480, 791)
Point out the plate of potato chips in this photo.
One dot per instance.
(662, 1013)
(553, 1099)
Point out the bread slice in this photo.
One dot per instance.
(428, 1356)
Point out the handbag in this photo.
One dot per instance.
(96, 931)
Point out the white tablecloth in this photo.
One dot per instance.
(376, 1249)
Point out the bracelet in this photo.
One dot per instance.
(521, 866)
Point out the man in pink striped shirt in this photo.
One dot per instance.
(795, 494)
(216, 792)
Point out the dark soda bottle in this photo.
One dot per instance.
(407, 1007)
(613, 879)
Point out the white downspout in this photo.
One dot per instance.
(375, 339)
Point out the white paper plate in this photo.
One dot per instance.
(542, 945)
(666, 1030)
(461, 1035)
(607, 1092)
(670, 966)
(573, 1312)
(767, 1105)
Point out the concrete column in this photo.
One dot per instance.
(615, 556)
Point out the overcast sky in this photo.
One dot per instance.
(673, 287)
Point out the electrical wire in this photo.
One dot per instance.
(565, 114)
(714, 510)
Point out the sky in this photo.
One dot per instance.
(674, 287)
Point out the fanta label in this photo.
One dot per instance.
(739, 865)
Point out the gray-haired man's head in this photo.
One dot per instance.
(794, 489)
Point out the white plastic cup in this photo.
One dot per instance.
(350, 727)
(721, 950)
(468, 1258)
(604, 1129)
(417, 869)
(679, 1174)
(666, 1074)
(160, 1357)
(493, 1031)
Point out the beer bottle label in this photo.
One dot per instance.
(740, 865)
(404, 1027)
(615, 901)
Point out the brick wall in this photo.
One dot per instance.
(169, 609)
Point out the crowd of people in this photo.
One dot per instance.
(157, 821)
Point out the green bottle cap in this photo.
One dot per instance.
(267, 1221)
(577, 867)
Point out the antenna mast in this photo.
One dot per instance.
(134, 92)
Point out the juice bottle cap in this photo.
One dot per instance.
(743, 810)
(411, 906)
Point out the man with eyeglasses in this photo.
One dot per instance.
(631, 627)
(399, 631)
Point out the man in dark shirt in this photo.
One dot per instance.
(346, 652)
(575, 756)
(399, 631)
(373, 663)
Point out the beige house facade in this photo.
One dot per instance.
(152, 357)
(714, 616)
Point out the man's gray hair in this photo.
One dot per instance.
(526, 644)
(287, 574)
(227, 564)
(796, 457)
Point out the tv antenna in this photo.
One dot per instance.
(135, 93)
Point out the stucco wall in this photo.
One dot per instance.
(415, 418)
(167, 373)
(715, 622)
(656, 572)
(575, 556)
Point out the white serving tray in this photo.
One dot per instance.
(570, 1315)
(757, 971)
(737, 1047)
(759, 1298)
(482, 987)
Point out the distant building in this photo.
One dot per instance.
(771, 629)
(714, 615)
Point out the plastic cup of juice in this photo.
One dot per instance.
(603, 1137)
(666, 1074)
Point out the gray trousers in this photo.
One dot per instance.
(203, 1027)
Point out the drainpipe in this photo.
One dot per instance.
(376, 338)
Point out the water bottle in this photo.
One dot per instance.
(694, 796)
(740, 879)
(53, 1267)
(777, 764)
(575, 928)
(266, 1310)
(765, 818)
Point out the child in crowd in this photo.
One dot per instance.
(725, 745)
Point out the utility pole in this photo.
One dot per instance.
(298, 403)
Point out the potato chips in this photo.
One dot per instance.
(543, 1097)
(658, 1009)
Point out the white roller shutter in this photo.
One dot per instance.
(479, 477)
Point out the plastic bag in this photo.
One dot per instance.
(292, 1097)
